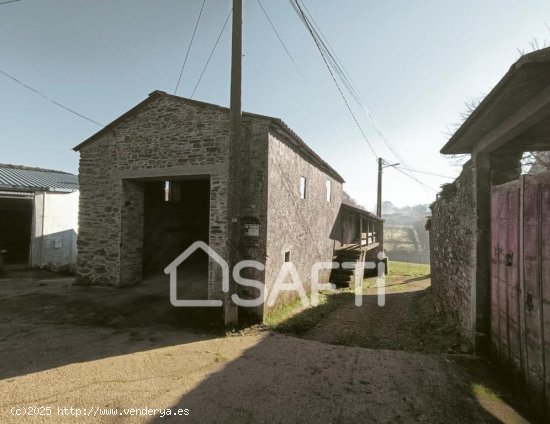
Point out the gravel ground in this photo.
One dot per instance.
(100, 349)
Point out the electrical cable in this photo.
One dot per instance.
(49, 99)
(341, 71)
(212, 52)
(280, 39)
(415, 179)
(426, 173)
(317, 42)
(337, 69)
(190, 44)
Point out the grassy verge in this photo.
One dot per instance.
(284, 312)
(296, 319)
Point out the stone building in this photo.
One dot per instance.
(155, 180)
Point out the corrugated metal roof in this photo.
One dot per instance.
(15, 177)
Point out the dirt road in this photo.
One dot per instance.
(407, 321)
(107, 351)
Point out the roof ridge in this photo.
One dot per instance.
(321, 163)
(31, 168)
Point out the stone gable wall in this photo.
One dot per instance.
(164, 135)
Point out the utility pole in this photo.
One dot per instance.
(230, 309)
(379, 192)
(236, 72)
(381, 167)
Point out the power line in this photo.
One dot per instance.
(212, 52)
(354, 91)
(190, 44)
(10, 1)
(415, 179)
(337, 68)
(49, 99)
(427, 173)
(281, 40)
(343, 74)
(318, 44)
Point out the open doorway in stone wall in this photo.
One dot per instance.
(175, 215)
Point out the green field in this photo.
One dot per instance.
(405, 269)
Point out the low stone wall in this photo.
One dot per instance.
(452, 245)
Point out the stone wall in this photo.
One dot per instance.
(302, 227)
(131, 237)
(452, 244)
(165, 137)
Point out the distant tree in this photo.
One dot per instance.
(420, 210)
(405, 210)
(348, 200)
(388, 207)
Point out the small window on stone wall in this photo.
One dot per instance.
(328, 190)
(287, 256)
(167, 191)
(172, 191)
(302, 187)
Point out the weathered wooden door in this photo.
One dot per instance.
(520, 282)
(505, 288)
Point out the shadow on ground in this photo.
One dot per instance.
(284, 379)
(128, 349)
(47, 322)
(407, 321)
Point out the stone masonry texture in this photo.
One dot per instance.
(165, 137)
(301, 227)
(452, 243)
(166, 134)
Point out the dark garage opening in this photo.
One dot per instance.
(15, 229)
(176, 214)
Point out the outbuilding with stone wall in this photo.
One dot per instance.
(156, 179)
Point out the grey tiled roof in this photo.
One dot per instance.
(15, 177)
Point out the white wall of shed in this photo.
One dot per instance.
(55, 226)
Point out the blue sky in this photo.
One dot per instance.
(415, 63)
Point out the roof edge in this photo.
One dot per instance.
(362, 211)
(537, 57)
(125, 115)
(321, 163)
(277, 121)
(32, 168)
